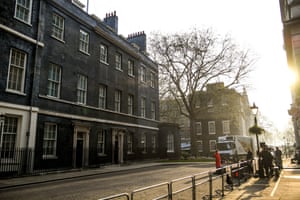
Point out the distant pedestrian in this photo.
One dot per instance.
(278, 159)
(218, 162)
(218, 159)
(249, 161)
(267, 161)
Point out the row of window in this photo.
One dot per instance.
(50, 139)
(212, 127)
(9, 137)
(58, 33)
(23, 12)
(15, 83)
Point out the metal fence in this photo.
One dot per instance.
(15, 162)
(21, 161)
(205, 185)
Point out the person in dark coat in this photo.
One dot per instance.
(278, 159)
(249, 161)
(267, 160)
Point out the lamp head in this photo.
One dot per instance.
(254, 108)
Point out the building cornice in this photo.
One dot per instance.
(21, 35)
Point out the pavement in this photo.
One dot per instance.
(286, 187)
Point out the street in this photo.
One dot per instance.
(94, 187)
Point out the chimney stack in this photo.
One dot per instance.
(139, 39)
(111, 19)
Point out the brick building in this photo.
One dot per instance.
(220, 111)
(73, 92)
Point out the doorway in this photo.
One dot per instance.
(79, 150)
(80, 146)
(118, 146)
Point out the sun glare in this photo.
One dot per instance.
(290, 77)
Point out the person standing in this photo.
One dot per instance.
(249, 161)
(267, 160)
(278, 159)
(218, 161)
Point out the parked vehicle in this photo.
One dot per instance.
(234, 148)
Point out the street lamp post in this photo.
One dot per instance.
(254, 109)
(257, 130)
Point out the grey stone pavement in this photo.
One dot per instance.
(286, 187)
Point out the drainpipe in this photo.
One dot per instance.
(32, 96)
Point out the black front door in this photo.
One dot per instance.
(79, 153)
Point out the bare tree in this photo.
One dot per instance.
(189, 61)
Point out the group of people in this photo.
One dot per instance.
(267, 161)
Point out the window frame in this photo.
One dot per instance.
(170, 143)
(52, 154)
(10, 128)
(130, 67)
(152, 79)
(16, 67)
(153, 110)
(58, 30)
(18, 6)
(130, 104)
(118, 61)
(101, 137)
(200, 143)
(82, 89)
(102, 97)
(198, 128)
(84, 40)
(143, 107)
(211, 125)
(117, 100)
(103, 54)
(226, 127)
(52, 82)
(143, 76)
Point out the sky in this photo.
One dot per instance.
(253, 24)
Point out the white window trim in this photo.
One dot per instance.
(143, 107)
(85, 89)
(118, 61)
(143, 74)
(51, 156)
(200, 124)
(21, 91)
(105, 55)
(118, 101)
(224, 122)
(198, 143)
(58, 82)
(29, 14)
(210, 124)
(130, 72)
(63, 28)
(86, 43)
